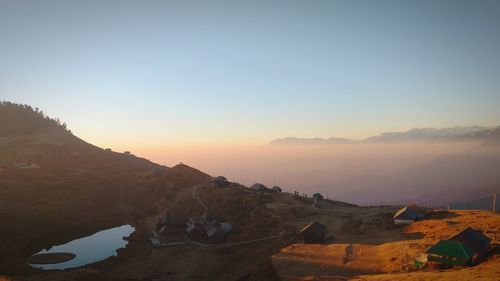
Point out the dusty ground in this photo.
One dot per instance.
(488, 271)
(382, 254)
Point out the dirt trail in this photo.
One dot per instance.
(204, 216)
(252, 213)
(349, 250)
(234, 243)
(205, 207)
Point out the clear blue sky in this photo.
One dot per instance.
(250, 71)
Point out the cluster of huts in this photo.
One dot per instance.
(467, 247)
(221, 181)
(205, 228)
(316, 233)
(312, 233)
(261, 187)
(209, 227)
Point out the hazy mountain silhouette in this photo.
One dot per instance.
(442, 134)
(471, 133)
(294, 140)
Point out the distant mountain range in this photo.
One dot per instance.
(416, 134)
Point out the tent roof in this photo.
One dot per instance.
(450, 248)
(474, 239)
(258, 186)
(407, 213)
(314, 226)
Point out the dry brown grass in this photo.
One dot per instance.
(390, 260)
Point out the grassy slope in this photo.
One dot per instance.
(373, 261)
(75, 183)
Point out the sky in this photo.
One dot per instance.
(149, 73)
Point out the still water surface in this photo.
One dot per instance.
(96, 247)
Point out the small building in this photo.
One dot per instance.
(313, 233)
(407, 215)
(212, 228)
(466, 248)
(226, 227)
(259, 187)
(235, 185)
(209, 227)
(276, 188)
(317, 196)
(221, 181)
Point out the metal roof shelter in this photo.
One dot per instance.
(276, 188)
(474, 239)
(313, 233)
(259, 187)
(463, 248)
(221, 181)
(407, 215)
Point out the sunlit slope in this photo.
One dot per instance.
(390, 257)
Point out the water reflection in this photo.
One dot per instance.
(90, 249)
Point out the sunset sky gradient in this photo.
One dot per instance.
(136, 74)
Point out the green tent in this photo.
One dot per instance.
(450, 252)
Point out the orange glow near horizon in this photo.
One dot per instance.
(311, 168)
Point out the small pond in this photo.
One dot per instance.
(96, 247)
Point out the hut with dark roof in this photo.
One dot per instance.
(407, 215)
(276, 188)
(313, 233)
(259, 187)
(209, 227)
(466, 248)
(221, 181)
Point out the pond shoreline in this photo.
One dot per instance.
(50, 258)
(83, 251)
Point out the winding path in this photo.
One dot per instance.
(205, 207)
(203, 218)
(349, 250)
(234, 243)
